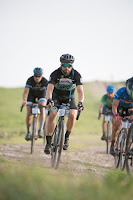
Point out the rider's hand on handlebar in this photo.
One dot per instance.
(80, 106)
(115, 119)
(50, 103)
(24, 103)
(99, 116)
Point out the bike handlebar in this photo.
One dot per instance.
(41, 106)
(79, 112)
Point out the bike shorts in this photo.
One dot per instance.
(125, 111)
(59, 100)
(32, 97)
(106, 109)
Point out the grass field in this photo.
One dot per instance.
(19, 181)
(12, 121)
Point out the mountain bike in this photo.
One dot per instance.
(35, 111)
(108, 118)
(121, 142)
(59, 135)
(129, 150)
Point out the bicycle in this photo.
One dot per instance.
(59, 134)
(129, 150)
(120, 142)
(108, 118)
(35, 111)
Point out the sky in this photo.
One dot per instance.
(35, 33)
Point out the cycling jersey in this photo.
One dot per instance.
(106, 101)
(36, 88)
(64, 84)
(123, 97)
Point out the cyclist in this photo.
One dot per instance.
(35, 88)
(61, 86)
(122, 104)
(106, 106)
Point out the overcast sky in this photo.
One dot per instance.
(35, 33)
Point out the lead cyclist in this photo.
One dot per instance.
(61, 88)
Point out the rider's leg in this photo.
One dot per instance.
(114, 135)
(50, 126)
(28, 123)
(28, 119)
(42, 117)
(70, 125)
(104, 128)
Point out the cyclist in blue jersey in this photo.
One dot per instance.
(61, 88)
(122, 104)
(35, 88)
(105, 107)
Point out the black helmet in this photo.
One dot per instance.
(129, 87)
(67, 58)
(38, 71)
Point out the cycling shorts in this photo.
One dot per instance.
(32, 97)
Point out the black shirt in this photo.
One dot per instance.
(64, 84)
(36, 88)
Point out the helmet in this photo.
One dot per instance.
(67, 58)
(38, 71)
(110, 89)
(129, 87)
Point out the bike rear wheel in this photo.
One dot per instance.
(129, 150)
(34, 133)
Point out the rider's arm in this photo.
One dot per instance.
(49, 91)
(100, 108)
(114, 106)
(80, 93)
(25, 93)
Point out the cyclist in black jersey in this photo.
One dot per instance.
(61, 88)
(35, 88)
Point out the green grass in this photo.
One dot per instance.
(18, 181)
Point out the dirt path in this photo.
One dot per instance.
(90, 156)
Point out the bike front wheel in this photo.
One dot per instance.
(122, 149)
(58, 143)
(34, 133)
(117, 151)
(129, 150)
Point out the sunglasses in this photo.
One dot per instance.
(66, 65)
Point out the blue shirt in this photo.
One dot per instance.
(123, 97)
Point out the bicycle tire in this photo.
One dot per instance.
(122, 149)
(34, 133)
(60, 142)
(53, 144)
(117, 151)
(128, 157)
